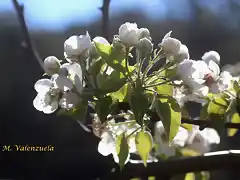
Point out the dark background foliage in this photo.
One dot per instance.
(75, 155)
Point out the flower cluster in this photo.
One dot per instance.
(128, 98)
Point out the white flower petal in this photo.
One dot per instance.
(101, 40)
(63, 83)
(107, 145)
(50, 108)
(38, 101)
(214, 68)
(69, 100)
(43, 85)
(211, 55)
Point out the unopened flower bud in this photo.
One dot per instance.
(211, 55)
(128, 34)
(145, 46)
(182, 54)
(117, 42)
(144, 33)
(171, 46)
(51, 65)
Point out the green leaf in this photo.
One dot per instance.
(78, 112)
(217, 106)
(186, 115)
(121, 93)
(190, 176)
(103, 107)
(234, 118)
(139, 105)
(116, 60)
(236, 86)
(112, 82)
(204, 112)
(95, 68)
(104, 50)
(169, 112)
(122, 149)
(164, 89)
(144, 144)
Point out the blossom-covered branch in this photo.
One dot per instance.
(28, 42)
(97, 73)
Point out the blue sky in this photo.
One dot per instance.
(59, 14)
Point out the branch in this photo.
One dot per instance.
(207, 123)
(169, 168)
(105, 18)
(202, 123)
(20, 10)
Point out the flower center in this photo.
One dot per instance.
(209, 79)
(52, 95)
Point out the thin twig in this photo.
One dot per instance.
(207, 162)
(105, 18)
(202, 123)
(207, 123)
(20, 14)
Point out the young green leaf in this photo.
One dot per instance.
(122, 149)
(236, 86)
(164, 89)
(78, 112)
(217, 106)
(169, 112)
(204, 112)
(95, 68)
(144, 144)
(103, 107)
(104, 50)
(189, 176)
(234, 118)
(112, 82)
(139, 105)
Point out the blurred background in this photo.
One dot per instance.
(202, 25)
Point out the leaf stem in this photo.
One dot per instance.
(157, 84)
(128, 72)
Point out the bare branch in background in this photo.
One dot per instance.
(105, 18)
(27, 39)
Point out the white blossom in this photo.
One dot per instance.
(211, 56)
(74, 78)
(171, 46)
(163, 144)
(129, 34)
(76, 46)
(201, 141)
(69, 100)
(144, 33)
(198, 75)
(51, 65)
(145, 45)
(47, 97)
(224, 82)
(182, 54)
(107, 145)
